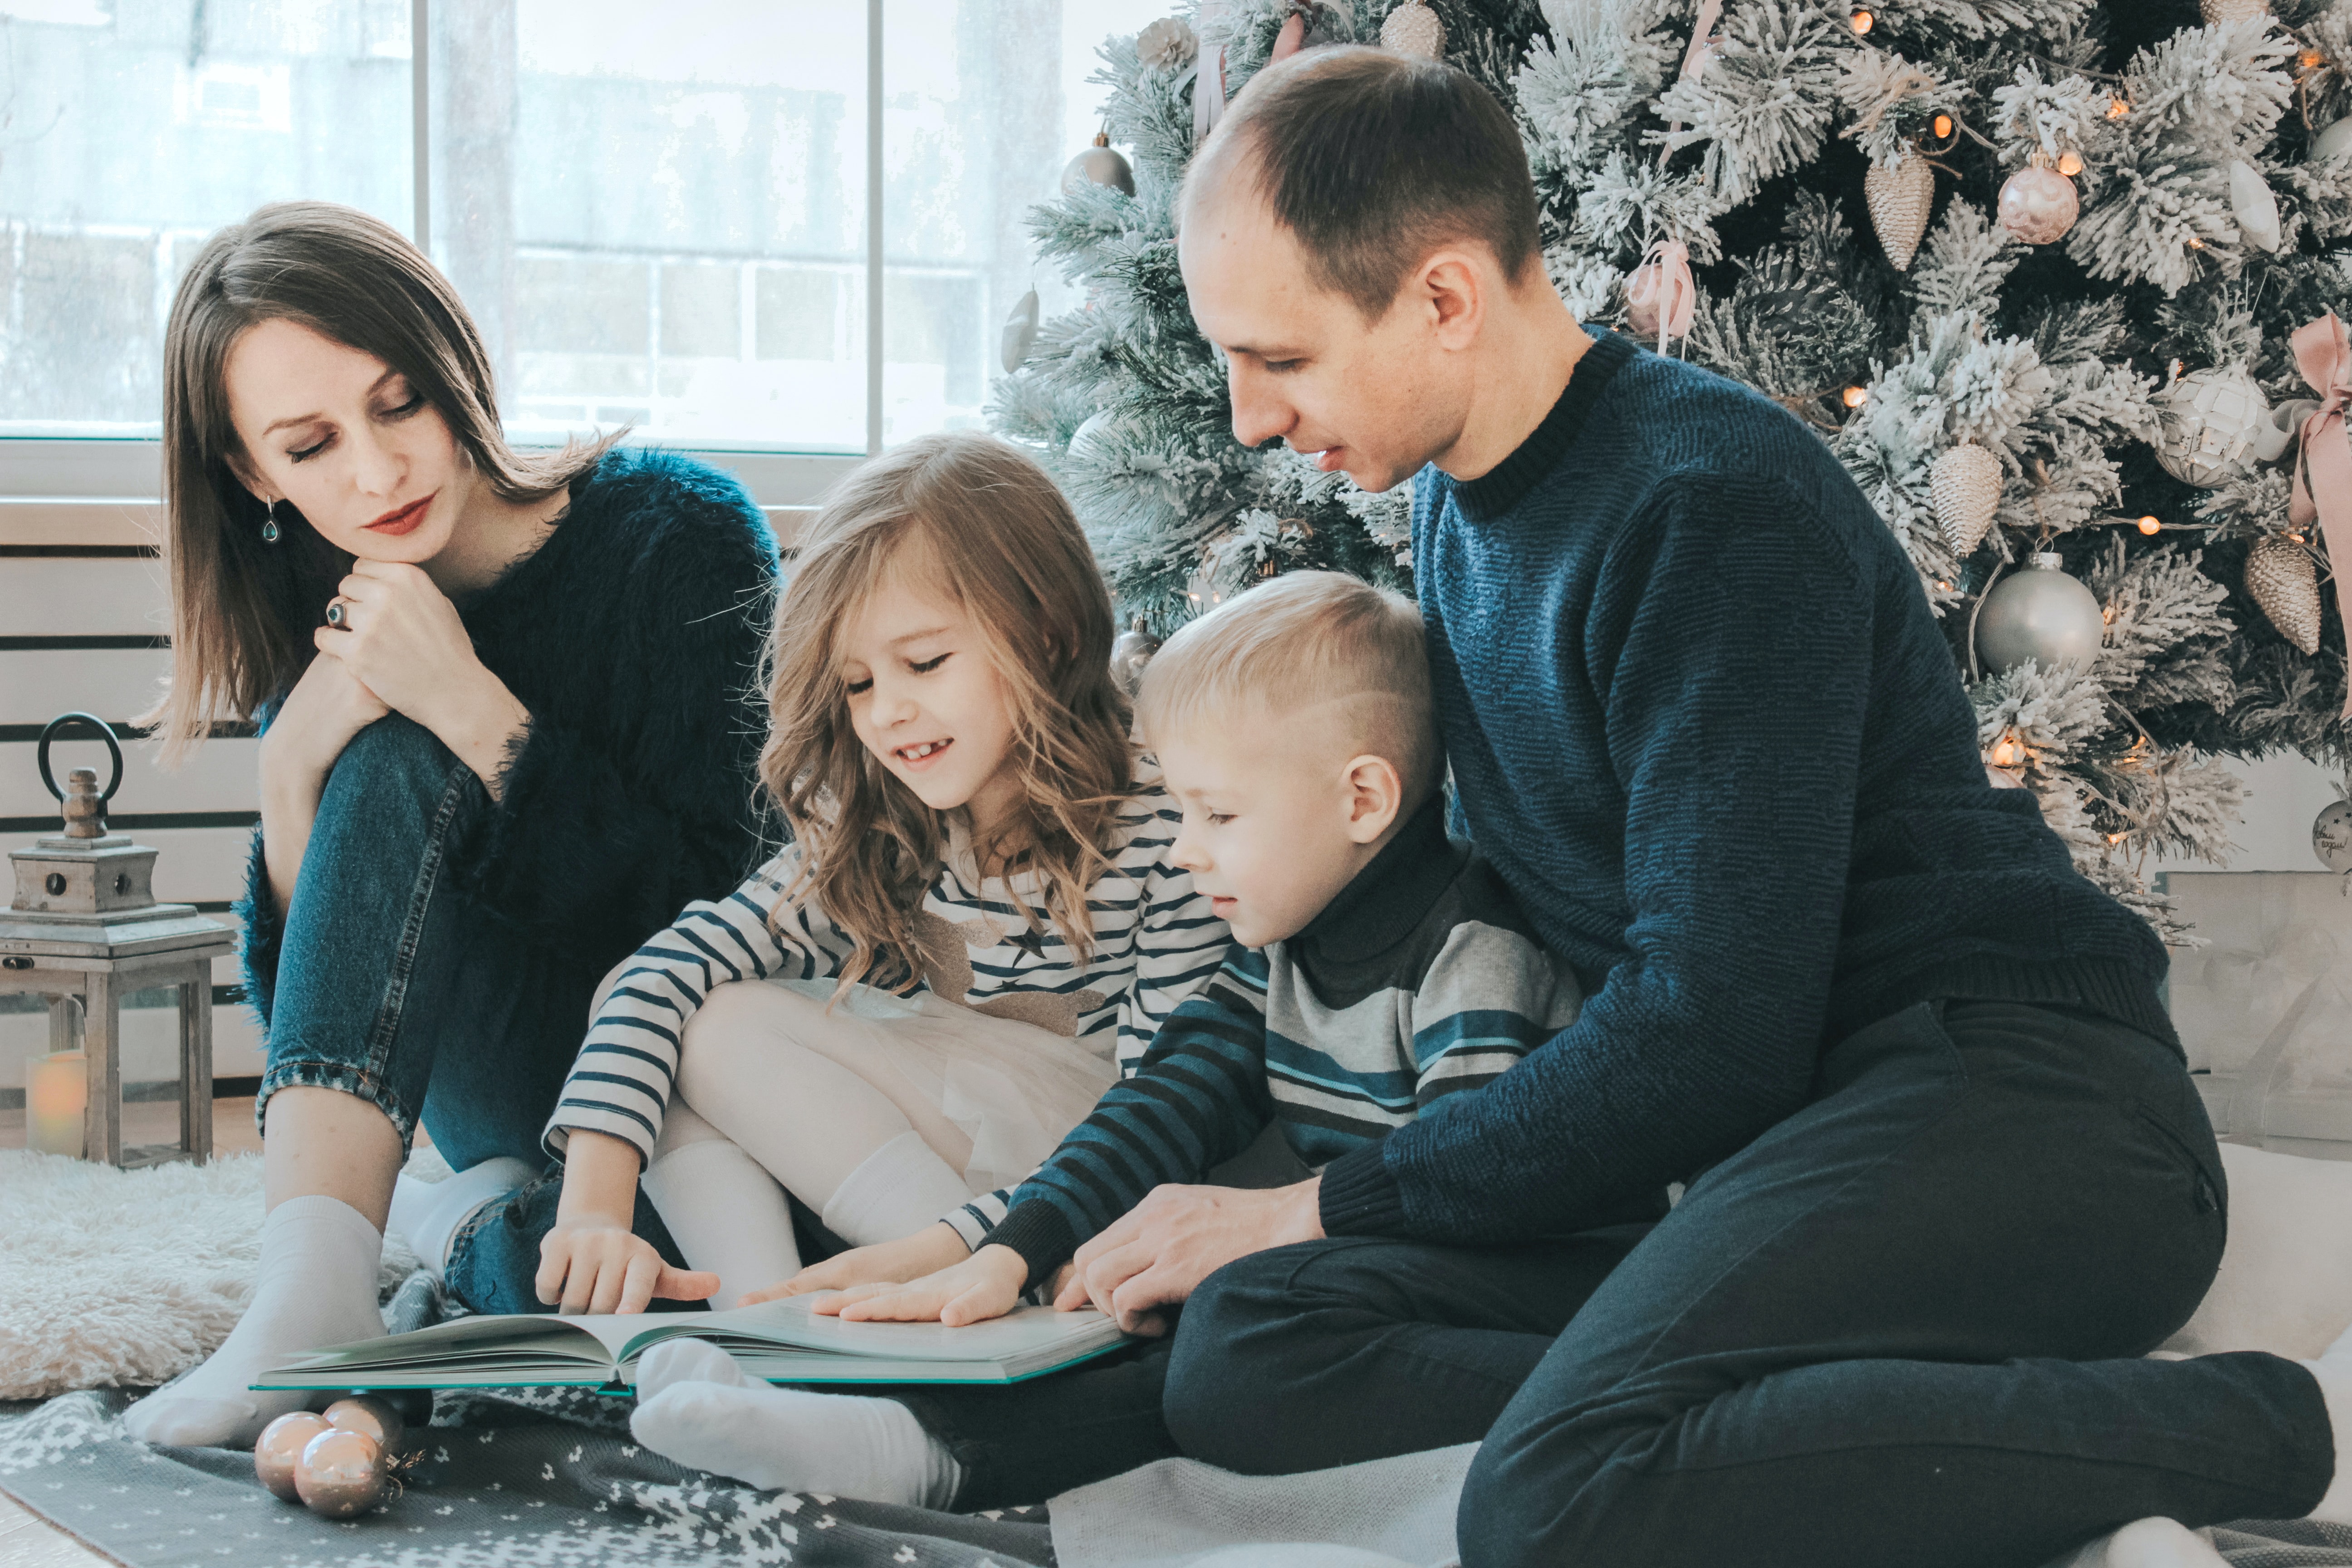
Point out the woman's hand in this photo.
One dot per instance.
(927, 1251)
(986, 1285)
(401, 635)
(327, 707)
(595, 1263)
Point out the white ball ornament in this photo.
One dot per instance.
(2039, 205)
(1168, 44)
(1100, 164)
(2333, 143)
(2331, 835)
(2039, 613)
(1412, 28)
(1020, 333)
(2254, 206)
(2218, 10)
(2210, 421)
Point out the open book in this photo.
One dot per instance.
(780, 1341)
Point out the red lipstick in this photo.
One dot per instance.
(403, 520)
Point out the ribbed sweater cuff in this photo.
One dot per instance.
(2109, 987)
(1359, 1197)
(1041, 1234)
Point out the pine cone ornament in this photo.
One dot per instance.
(1899, 198)
(2210, 420)
(2218, 10)
(2280, 577)
(1965, 484)
(1413, 29)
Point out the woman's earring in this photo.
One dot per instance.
(269, 525)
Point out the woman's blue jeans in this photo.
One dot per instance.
(394, 985)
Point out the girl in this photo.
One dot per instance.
(976, 927)
(506, 735)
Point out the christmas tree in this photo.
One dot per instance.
(2031, 268)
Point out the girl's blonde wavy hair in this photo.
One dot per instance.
(990, 528)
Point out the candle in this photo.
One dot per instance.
(56, 1088)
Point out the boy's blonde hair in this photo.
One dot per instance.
(1304, 640)
(984, 524)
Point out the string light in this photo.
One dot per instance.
(1862, 22)
(1854, 396)
(2114, 838)
(2117, 109)
(2310, 60)
(2195, 242)
(2069, 163)
(2149, 525)
(1943, 126)
(2009, 752)
(2294, 539)
(1942, 587)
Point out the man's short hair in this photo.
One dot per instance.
(1307, 639)
(1374, 160)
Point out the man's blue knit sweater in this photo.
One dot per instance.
(1703, 723)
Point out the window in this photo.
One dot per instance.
(660, 216)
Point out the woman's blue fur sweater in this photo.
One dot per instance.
(633, 636)
(1701, 720)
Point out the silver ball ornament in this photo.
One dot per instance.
(2039, 205)
(1020, 333)
(2210, 420)
(282, 1445)
(2039, 613)
(342, 1474)
(1100, 164)
(2331, 835)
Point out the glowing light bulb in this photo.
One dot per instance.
(2069, 163)
(1854, 396)
(2117, 109)
(1943, 124)
(2149, 525)
(1862, 22)
(2008, 752)
(2310, 60)
(2114, 838)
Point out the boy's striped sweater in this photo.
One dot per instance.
(1420, 980)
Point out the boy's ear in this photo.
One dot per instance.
(1375, 794)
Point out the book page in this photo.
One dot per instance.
(1023, 1333)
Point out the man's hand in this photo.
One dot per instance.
(593, 1263)
(986, 1285)
(1157, 1253)
(928, 1251)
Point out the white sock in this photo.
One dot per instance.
(726, 1215)
(2154, 1542)
(896, 1191)
(430, 1213)
(316, 1286)
(2333, 1371)
(695, 1407)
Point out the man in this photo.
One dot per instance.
(1947, 1178)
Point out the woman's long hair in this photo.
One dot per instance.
(242, 610)
(987, 523)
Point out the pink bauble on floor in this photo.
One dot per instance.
(2038, 206)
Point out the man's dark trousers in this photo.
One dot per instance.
(1905, 1324)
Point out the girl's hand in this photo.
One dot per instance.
(928, 1251)
(327, 707)
(593, 1263)
(985, 1285)
(402, 636)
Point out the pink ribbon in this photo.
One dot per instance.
(1710, 12)
(1662, 297)
(2322, 469)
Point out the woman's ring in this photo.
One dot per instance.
(334, 612)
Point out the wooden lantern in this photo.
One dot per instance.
(84, 929)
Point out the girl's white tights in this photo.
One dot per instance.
(726, 1213)
(842, 1145)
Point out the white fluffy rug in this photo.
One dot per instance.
(128, 1278)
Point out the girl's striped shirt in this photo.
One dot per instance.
(1156, 940)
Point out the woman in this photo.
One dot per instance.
(509, 728)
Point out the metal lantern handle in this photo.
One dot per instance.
(105, 733)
